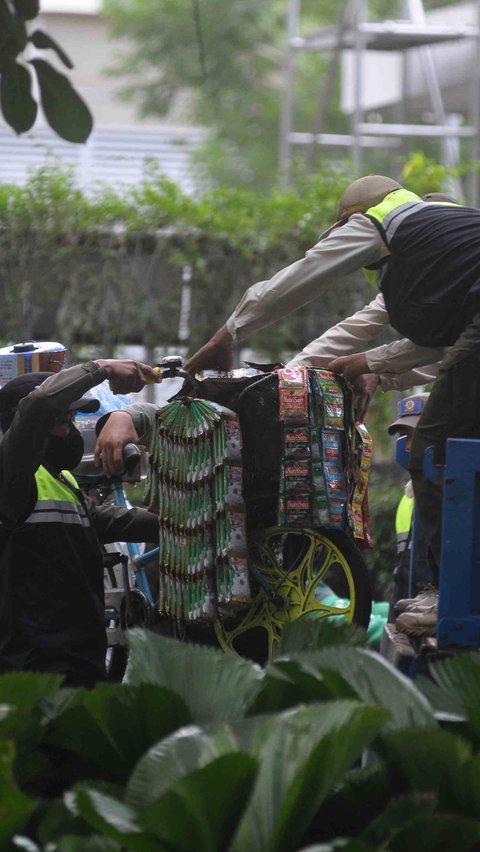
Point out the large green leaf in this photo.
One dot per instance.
(438, 833)
(305, 635)
(30, 696)
(435, 760)
(374, 681)
(60, 818)
(68, 843)
(341, 844)
(454, 688)
(44, 41)
(18, 107)
(361, 797)
(113, 819)
(13, 36)
(173, 757)
(65, 111)
(281, 689)
(5, 710)
(111, 726)
(94, 843)
(287, 684)
(397, 815)
(202, 810)
(215, 686)
(307, 751)
(168, 761)
(15, 807)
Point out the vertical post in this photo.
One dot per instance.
(401, 114)
(474, 193)
(328, 85)
(288, 98)
(150, 359)
(357, 118)
(450, 150)
(185, 305)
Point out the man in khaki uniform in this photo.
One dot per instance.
(426, 260)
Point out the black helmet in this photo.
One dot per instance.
(16, 389)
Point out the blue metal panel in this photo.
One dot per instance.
(402, 457)
(459, 602)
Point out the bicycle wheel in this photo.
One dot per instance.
(117, 652)
(293, 571)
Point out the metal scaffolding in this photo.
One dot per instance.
(354, 32)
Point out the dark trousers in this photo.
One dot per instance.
(452, 411)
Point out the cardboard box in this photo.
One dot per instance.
(30, 357)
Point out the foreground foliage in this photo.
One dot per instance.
(201, 750)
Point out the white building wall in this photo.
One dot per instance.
(121, 142)
(115, 155)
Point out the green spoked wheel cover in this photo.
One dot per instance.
(294, 573)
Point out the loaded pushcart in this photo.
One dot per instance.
(259, 477)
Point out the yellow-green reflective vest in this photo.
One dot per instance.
(56, 502)
(387, 206)
(431, 278)
(380, 212)
(403, 521)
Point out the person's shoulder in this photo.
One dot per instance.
(357, 225)
(361, 222)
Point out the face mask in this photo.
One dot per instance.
(64, 453)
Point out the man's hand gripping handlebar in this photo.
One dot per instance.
(119, 429)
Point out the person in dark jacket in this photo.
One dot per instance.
(51, 568)
(419, 577)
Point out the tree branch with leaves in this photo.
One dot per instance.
(64, 109)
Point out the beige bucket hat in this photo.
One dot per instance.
(364, 193)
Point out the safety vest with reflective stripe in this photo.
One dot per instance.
(403, 522)
(52, 615)
(431, 279)
(56, 502)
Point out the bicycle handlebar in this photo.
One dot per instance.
(131, 455)
(90, 477)
(172, 368)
